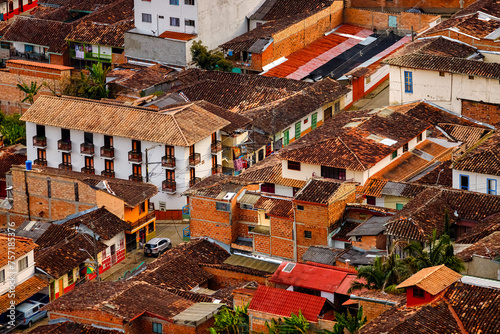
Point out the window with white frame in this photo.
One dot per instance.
(189, 23)
(23, 263)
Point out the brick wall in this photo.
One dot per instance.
(262, 243)
(483, 112)
(372, 310)
(225, 278)
(380, 20)
(433, 6)
(145, 325)
(89, 317)
(206, 221)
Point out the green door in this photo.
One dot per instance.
(314, 121)
(286, 136)
(297, 130)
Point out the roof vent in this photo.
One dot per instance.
(289, 267)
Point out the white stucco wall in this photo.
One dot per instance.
(477, 182)
(446, 91)
(21, 276)
(122, 167)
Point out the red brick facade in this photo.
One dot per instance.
(483, 112)
(432, 6)
(225, 278)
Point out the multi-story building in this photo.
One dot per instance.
(165, 30)
(172, 149)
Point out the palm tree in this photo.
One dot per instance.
(296, 324)
(231, 321)
(30, 91)
(440, 251)
(98, 73)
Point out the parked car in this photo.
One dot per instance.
(31, 312)
(156, 246)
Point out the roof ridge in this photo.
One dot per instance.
(351, 152)
(180, 129)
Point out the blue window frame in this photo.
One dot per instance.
(491, 185)
(464, 182)
(174, 2)
(408, 82)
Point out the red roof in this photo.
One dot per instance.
(283, 303)
(177, 35)
(311, 277)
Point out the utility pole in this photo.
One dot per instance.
(95, 255)
(147, 162)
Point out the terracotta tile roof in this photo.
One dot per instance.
(354, 139)
(440, 175)
(140, 78)
(66, 254)
(113, 12)
(101, 34)
(11, 155)
(101, 221)
(318, 190)
(437, 46)
(275, 206)
(432, 280)
(314, 277)
(72, 328)
(277, 9)
(284, 303)
(54, 234)
(488, 247)
(447, 64)
(43, 65)
(484, 159)
(278, 115)
(237, 269)
(481, 230)
(130, 192)
(269, 171)
(177, 35)
(485, 6)
(378, 294)
(237, 121)
(216, 186)
(126, 300)
(425, 212)
(23, 247)
(403, 189)
(182, 126)
(39, 32)
(372, 187)
(23, 291)
(372, 226)
(179, 267)
(345, 229)
(466, 134)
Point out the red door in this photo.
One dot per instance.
(358, 88)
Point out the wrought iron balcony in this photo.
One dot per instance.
(168, 162)
(39, 141)
(40, 162)
(169, 186)
(65, 166)
(88, 170)
(107, 152)
(87, 148)
(216, 147)
(108, 173)
(141, 221)
(63, 145)
(194, 181)
(217, 169)
(194, 159)
(135, 156)
(135, 177)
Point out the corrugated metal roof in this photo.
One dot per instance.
(197, 314)
(249, 198)
(248, 262)
(372, 226)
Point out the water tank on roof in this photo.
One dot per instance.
(28, 165)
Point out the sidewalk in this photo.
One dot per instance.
(376, 99)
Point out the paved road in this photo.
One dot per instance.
(377, 99)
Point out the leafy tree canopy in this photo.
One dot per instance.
(209, 60)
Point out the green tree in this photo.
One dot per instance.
(347, 321)
(97, 75)
(440, 251)
(293, 324)
(89, 86)
(12, 129)
(385, 274)
(229, 321)
(29, 90)
(209, 60)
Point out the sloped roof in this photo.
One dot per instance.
(481, 230)
(372, 226)
(310, 277)
(276, 9)
(23, 247)
(437, 46)
(252, 263)
(69, 327)
(101, 34)
(23, 291)
(488, 247)
(181, 126)
(11, 155)
(45, 234)
(216, 186)
(484, 159)
(269, 170)
(100, 221)
(321, 254)
(139, 78)
(47, 33)
(432, 279)
(280, 207)
(283, 303)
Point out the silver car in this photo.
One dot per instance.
(156, 246)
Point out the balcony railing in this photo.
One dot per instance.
(194, 181)
(141, 221)
(107, 152)
(134, 177)
(65, 166)
(194, 159)
(135, 156)
(40, 162)
(87, 148)
(88, 170)
(168, 186)
(39, 141)
(90, 56)
(108, 173)
(216, 147)
(168, 162)
(217, 169)
(63, 145)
